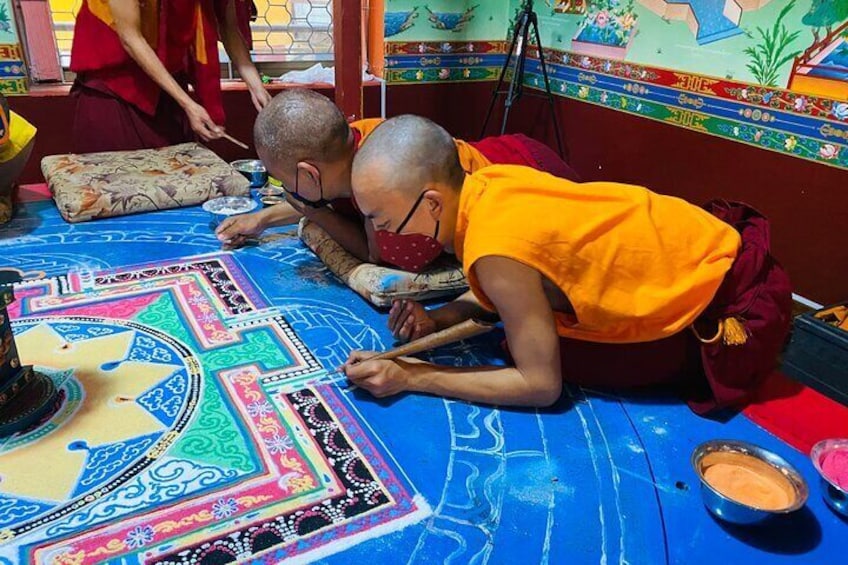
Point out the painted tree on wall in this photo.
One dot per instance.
(5, 24)
(772, 52)
(825, 14)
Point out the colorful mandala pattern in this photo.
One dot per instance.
(188, 419)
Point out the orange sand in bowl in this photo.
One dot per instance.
(748, 480)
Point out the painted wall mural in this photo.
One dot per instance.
(444, 40)
(766, 42)
(13, 77)
(770, 73)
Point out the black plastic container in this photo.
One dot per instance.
(818, 356)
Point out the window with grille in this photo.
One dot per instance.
(285, 31)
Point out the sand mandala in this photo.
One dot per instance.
(187, 429)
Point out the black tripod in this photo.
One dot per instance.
(516, 61)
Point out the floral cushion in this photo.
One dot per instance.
(381, 285)
(117, 183)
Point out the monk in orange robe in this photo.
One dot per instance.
(305, 142)
(135, 60)
(598, 284)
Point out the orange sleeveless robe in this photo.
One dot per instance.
(635, 265)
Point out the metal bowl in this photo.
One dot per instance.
(253, 170)
(733, 511)
(835, 496)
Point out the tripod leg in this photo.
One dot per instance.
(534, 22)
(517, 71)
(519, 88)
(501, 78)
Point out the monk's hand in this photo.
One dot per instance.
(235, 230)
(409, 320)
(259, 96)
(380, 378)
(202, 124)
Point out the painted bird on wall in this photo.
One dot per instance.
(398, 22)
(451, 21)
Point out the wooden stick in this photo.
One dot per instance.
(459, 332)
(232, 139)
(464, 330)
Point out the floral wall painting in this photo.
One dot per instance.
(607, 29)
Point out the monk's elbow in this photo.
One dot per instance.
(545, 396)
(129, 36)
(127, 39)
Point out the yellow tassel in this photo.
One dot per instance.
(735, 332)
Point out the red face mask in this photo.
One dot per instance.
(409, 251)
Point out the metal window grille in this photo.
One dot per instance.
(284, 31)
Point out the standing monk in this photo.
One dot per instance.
(598, 284)
(134, 60)
(306, 143)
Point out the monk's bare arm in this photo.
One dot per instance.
(462, 308)
(127, 15)
(239, 54)
(347, 232)
(517, 292)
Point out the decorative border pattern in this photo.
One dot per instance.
(793, 123)
(13, 75)
(364, 492)
(443, 61)
(801, 125)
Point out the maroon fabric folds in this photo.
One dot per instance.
(757, 291)
(105, 122)
(518, 149)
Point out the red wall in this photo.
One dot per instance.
(806, 202)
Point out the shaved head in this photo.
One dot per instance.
(405, 154)
(407, 176)
(300, 125)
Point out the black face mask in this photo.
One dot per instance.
(320, 203)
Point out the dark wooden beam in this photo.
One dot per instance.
(347, 38)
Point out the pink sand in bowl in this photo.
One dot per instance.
(834, 464)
